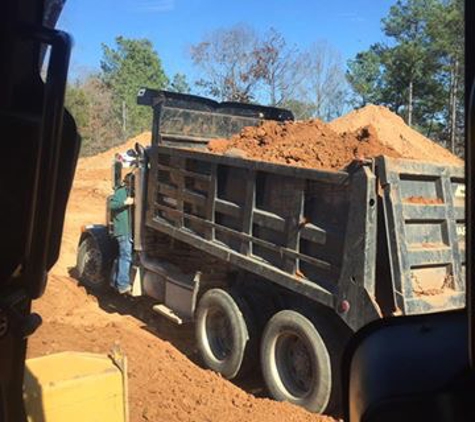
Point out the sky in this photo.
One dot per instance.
(173, 26)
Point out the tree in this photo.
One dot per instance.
(326, 85)
(364, 75)
(126, 67)
(226, 59)
(421, 69)
(406, 24)
(446, 31)
(300, 109)
(179, 84)
(77, 103)
(91, 104)
(281, 68)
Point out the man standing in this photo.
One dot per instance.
(119, 206)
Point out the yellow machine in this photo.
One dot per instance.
(72, 387)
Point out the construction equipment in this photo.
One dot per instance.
(72, 386)
(279, 261)
(66, 386)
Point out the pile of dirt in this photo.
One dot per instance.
(392, 131)
(361, 134)
(311, 144)
(165, 382)
(104, 159)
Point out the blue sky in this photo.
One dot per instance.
(173, 25)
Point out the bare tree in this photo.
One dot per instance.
(103, 130)
(226, 59)
(327, 86)
(282, 68)
(91, 104)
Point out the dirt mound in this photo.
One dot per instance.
(393, 132)
(165, 383)
(311, 144)
(98, 160)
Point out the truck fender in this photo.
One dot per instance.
(105, 242)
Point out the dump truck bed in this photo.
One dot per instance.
(385, 237)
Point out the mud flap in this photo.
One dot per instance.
(136, 277)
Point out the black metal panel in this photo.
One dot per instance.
(357, 284)
(182, 120)
(423, 210)
(286, 222)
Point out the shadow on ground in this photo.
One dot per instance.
(181, 336)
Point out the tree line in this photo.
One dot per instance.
(417, 72)
(104, 103)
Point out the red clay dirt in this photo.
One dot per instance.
(423, 201)
(361, 134)
(392, 131)
(311, 144)
(165, 384)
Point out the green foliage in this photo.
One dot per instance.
(126, 67)
(179, 84)
(364, 75)
(420, 73)
(77, 103)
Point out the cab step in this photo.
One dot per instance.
(170, 314)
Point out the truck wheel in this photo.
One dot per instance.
(90, 265)
(295, 362)
(225, 333)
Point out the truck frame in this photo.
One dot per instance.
(278, 265)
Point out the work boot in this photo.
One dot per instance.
(125, 290)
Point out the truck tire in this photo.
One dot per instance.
(295, 362)
(225, 333)
(90, 264)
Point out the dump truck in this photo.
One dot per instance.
(276, 265)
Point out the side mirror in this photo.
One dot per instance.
(140, 150)
(116, 173)
(412, 368)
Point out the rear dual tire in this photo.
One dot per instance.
(297, 359)
(296, 363)
(225, 333)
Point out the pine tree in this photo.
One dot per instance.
(127, 67)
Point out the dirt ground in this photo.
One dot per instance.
(165, 380)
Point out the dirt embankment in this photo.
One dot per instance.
(362, 134)
(165, 383)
